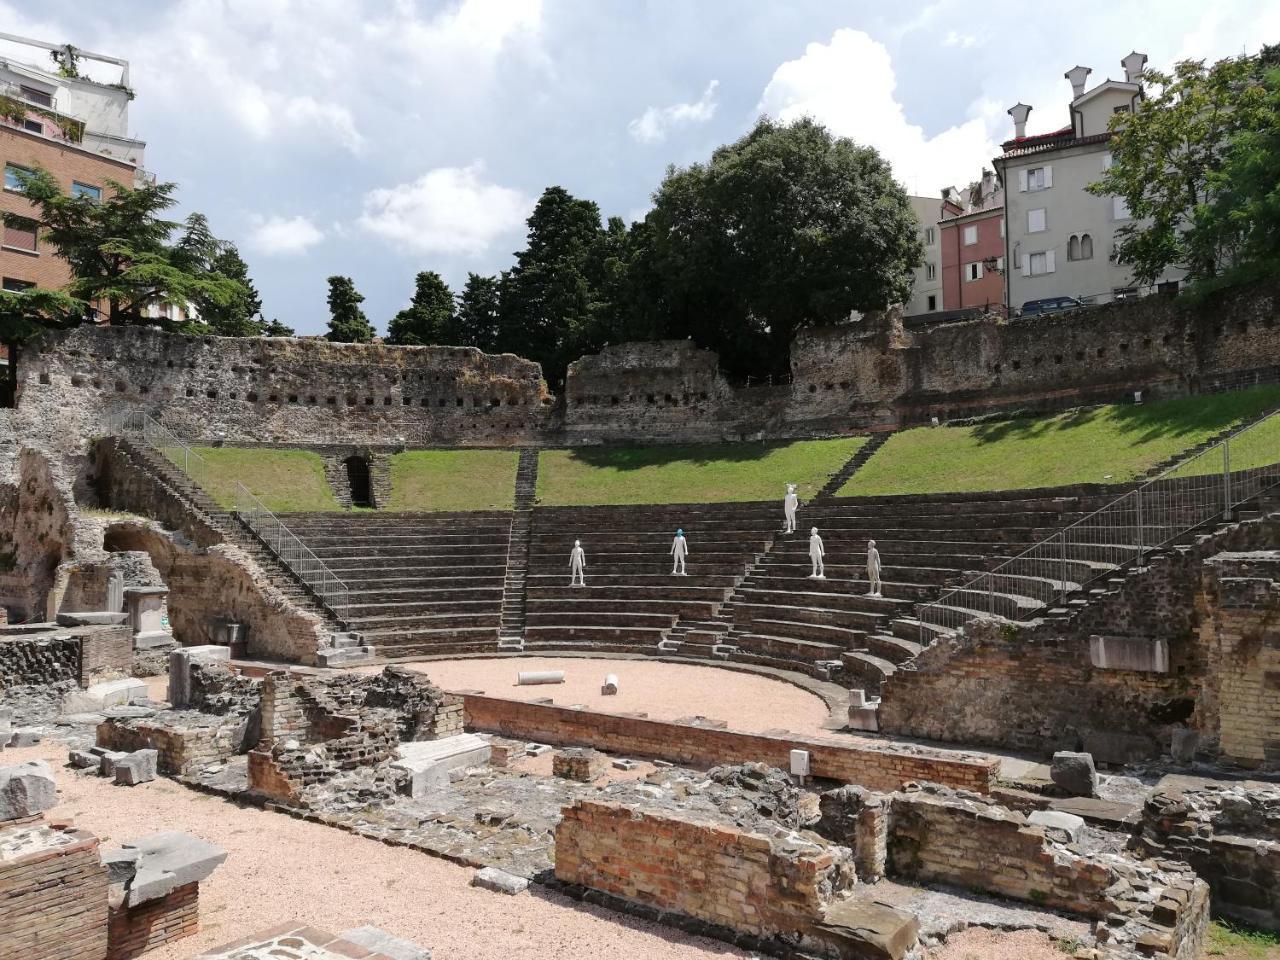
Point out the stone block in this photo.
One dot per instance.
(871, 930)
(121, 864)
(99, 696)
(83, 759)
(1074, 773)
(499, 881)
(1065, 827)
(26, 789)
(138, 767)
(168, 861)
(429, 762)
(91, 618)
(1184, 744)
(610, 686)
(180, 662)
(107, 762)
(380, 942)
(25, 736)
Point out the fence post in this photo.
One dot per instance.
(1062, 567)
(991, 594)
(1226, 479)
(1142, 540)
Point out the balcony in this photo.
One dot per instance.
(28, 109)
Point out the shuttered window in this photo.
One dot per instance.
(20, 233)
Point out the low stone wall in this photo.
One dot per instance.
(186, 741)
(701, 867)
(135, 930)
(57, 654)
(53, 894)
(881, 768)
(105, 652)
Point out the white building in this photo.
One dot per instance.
(1060, 239)
(926, 291)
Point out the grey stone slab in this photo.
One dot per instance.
(121, 864)
(1058, 825)
(26, 736)
(99, 696)
(107, 762)
(91, 618)
(169, 861)
(83, 759)
(138, 767)
(429, 762)
(379, 941)
(180, 662)
(26, 789)
(499, 881)
(1074, 773)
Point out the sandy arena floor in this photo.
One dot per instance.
(665, 691)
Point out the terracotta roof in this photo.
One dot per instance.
(1048, 141)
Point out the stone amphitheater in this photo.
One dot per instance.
(371, 731)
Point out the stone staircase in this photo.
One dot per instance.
(511, 629)
(342, 648)
(851, 466)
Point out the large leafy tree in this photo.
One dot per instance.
(119, 249)
(429, 318)
(242, 316)
(347, 322)
(787, 227)
(1168, 159)
(477, 316)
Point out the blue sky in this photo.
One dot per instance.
(377, 138)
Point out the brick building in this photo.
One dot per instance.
(971, 241)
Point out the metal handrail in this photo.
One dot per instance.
(332, 592)
(1114, 537)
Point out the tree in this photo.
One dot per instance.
(1166, 158)
(429, 318)
(347, 322)
(277, 329)
(787, 227)
(477, 315)
(242, 317)
(546, 297)
(119, 251)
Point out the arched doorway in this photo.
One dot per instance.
(358, 480)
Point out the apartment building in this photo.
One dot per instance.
(1060, 240)
(972, 233)
(75, 128)
(926, 290)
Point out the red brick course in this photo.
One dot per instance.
(135, 930)
(53, 903)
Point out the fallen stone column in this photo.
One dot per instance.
(528, 677)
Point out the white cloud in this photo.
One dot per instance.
(283, 237)
(848, 84)
(655, 123)
(956, 39)
(446, 210)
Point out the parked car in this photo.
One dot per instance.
(1049, 305)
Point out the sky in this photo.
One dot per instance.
(378, 138)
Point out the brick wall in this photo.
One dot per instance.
(183, 751)
(701, 867)
(53, 901)
(105, 651)
(881, 768)
(135, 930)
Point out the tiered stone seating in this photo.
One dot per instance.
(421, 583)
(631, 601)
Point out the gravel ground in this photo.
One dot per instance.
(665, 691)
(284, 869)
(978, 943)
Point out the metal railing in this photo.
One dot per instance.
(1203, 488)
(313, 572)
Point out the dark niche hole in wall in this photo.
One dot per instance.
(358, 479)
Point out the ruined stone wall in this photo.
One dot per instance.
(880, 768)
(53, 894)
(56, 655)
(185, 741)
(701, 867)
(132, 931)
(267, 389)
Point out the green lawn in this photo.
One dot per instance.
(1234, 942)
(442, 480)
(696, 473)
(1116, 443)
(286, 481)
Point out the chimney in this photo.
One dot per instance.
(1019, 112)
(1135, 64)
(1077, 76)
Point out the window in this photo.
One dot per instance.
(1036, 178)
(1073, 248)
(35, 96)
(1036, 220)
(79, 189)
(1119, 209)
(1123, 108)
(1002, 228)
(14, 285)
(928, 236)
(19, 233)
(33, 126)
(971, 235)
(1106, 160)
(933, 303)
(1086, 247)
(11, 181)
(973, 271)
(1037, 264)
(931, 271)
(1000, 264)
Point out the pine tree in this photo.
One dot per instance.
(243, 316)
(429, 318)
(477, 316)
(347, 322)
(277, 329)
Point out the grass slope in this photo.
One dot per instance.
(1234, 942)
(285, 480)
(695, 473)
(445, 480)
(1081, 446)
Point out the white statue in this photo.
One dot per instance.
(789, 504)
(873, 568)
(577, 565)
(816, 553)
(679, 550)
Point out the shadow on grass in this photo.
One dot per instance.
(701, 455)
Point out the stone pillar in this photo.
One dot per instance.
(148, 616)
(115, 592)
